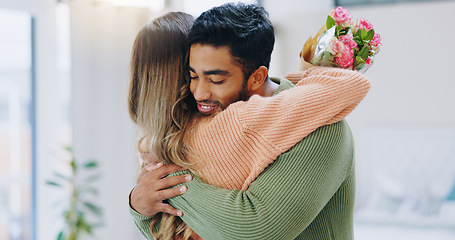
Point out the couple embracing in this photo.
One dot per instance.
(230, 153)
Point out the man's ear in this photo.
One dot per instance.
(257, 79)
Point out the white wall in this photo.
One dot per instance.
(412, 77)
(102, 39)
(294, 21)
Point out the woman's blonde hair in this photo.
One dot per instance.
(160, 101)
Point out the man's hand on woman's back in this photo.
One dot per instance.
(153, 187)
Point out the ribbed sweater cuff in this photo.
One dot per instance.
(135, 213)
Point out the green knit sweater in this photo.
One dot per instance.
(307, 193)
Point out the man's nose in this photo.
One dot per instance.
(202, 91)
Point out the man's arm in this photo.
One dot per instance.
(142, 223)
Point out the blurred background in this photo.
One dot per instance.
(64, 77)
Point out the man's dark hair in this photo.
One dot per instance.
(245, 28)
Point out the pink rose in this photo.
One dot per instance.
(376, 41)
(341, 15)
(363, 24)
(337, 47)
(368, 61)
(348, 41)
(346, 59)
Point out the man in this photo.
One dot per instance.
(307, 193)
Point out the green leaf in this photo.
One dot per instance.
(369, 36)
(81, 223)
(61, 236)
(95, 209)
(358, 63)
(52, 183)
(91, 164)
(344, 31)
(363, 53)
(358, 40)
(67, 215)
(69, 149)
(359, 60)
(338, 31)
(358, 34)
(73, 165)
(363, 34)
(330, 22)
(88, 228)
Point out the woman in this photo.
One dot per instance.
(162, 105)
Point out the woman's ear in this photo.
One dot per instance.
(257, 79)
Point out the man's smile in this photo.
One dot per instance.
(207, 108)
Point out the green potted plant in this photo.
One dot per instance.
(78, 189)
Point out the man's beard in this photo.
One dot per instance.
(242, 95)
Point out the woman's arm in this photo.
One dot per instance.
(245, 138)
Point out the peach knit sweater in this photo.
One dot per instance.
(238, 143)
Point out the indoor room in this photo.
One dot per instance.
(69, 148)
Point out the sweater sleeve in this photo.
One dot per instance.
(142, 222)
(283, 200)
(243, 140)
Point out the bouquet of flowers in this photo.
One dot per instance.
(342, 43)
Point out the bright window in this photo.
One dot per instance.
(18, 148)
(16, 125)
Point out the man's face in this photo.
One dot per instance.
(216, 79)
